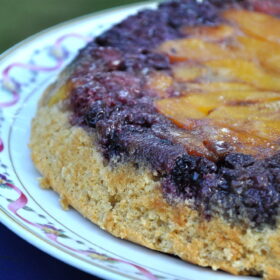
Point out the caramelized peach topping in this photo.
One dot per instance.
(210, 33)
(259, 25)
(229, 76)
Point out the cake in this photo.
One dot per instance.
(165, 131)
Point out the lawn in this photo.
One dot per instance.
(22, 18)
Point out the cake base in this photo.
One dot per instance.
(126, 200)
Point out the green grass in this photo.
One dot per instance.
(22, 18)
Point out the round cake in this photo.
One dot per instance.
(165, 131)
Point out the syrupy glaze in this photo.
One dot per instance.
(175, 89)
(223, 88)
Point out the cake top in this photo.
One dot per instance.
(191, 89)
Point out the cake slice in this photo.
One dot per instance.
(165, 131)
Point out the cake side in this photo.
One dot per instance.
(128, 202)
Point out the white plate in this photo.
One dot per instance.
(35, 214)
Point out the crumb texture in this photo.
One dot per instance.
(128, 202)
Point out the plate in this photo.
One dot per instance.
(35, 214)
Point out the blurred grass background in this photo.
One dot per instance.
(22, 18)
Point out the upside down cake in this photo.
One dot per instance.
(165, 131)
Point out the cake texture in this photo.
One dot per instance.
(165, 131)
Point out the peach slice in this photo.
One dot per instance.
(268, 129)
(217, 87)
(193, 50)
(263, 111)
(245, 141)
(180, 111)
(193, 143)
(262, 117)
(188, 72)
(210, 33)
(257, 24)
(224, 71)
(267, 53)
(245, 71)
(61, 94)
(230, 98)
(196, 106)
(160, 83)
(240, 119)
(272, 62)
(248, 113)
